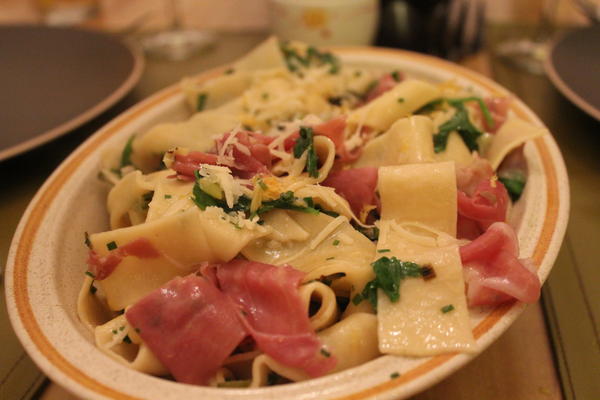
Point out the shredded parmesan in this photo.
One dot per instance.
(327, 231)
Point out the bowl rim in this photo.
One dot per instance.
(58, 368)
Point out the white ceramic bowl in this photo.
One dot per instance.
(325, 23)
(47, 261)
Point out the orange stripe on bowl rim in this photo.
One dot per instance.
(59, 178)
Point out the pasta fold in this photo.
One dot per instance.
(431, 316)
(427, 193)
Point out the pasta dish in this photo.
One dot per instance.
(308, 217)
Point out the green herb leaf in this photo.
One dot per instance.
(431, 106)
(389, 272)
(168, 196)
(313, 57)
(396, 75)
(286, 201)
(203, 199)
(111, 245)
(126, 153)
(460, 123)
(305, 143)
(262, 184)
(514, 186)
(336, 242)
(447, 308)
(201, 101)
(383, 250)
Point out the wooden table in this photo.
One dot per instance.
(548, 355)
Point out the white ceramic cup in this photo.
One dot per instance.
(325, 22)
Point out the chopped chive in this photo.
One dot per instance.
(168, 196)
(401, 100)
(329, 258)
(396, 75)
(262, 184)
(394, 375)
(383, 250)
(88, 273)
(325, 353)
(336, 242)
(201, 102)
(265, 96)
(86, 240)
(447, 308)
(121, 328)
(111, 245)
(114, 331)
(229, 71)
(126, 339)
(93, 289)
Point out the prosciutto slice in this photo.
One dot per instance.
(190, 326)
(247, 155)
(487, 205)
(102, 267)
(334, 129)
(357, 185)
(385, 83)
(274, 313)
(493, 272)
(249, 151)
(185, 164)
(498, 107)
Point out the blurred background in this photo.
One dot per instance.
(552, 351)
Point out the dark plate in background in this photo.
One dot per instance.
(573, 66)
(53, 80)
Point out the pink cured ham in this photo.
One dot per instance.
(185, 164)
(274, 313)
(493, 272)
(190, 326)
(249, 154)
(487, 205)
(467, 178)
(498, 107)
(334, 129)
(385, 83)
(102, 267)
(357, 185)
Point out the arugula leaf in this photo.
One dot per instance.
(389, 273)
(126, 153)
(514, 186)
(313, 56)
(306, 143)
(429, 107)
(484, 108)
(460, 123)
(203, 199)
(286, 201)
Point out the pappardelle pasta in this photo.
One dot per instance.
(307, 218)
